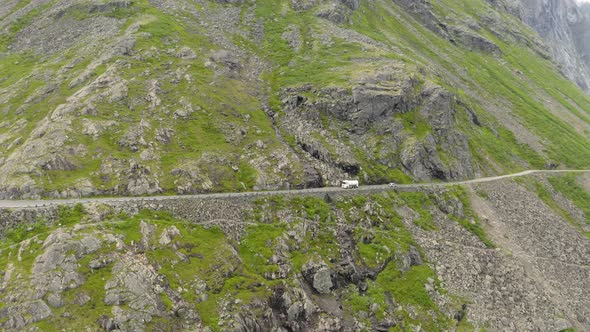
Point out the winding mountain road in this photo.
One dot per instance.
(36, 203)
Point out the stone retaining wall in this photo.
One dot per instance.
(225, 212)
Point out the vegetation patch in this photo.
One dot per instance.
(420, 203)
(469, 220)
(568, 186)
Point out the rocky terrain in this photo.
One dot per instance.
(144, 97)
(111, 97)
(500, 256)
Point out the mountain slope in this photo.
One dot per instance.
(502, 255)
(107, 97)
(140, 97)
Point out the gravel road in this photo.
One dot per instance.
(35, 203)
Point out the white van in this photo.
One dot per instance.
(349, 184)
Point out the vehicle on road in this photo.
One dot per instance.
(349, 184)
(392, 184)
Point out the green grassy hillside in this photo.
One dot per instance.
(197, 96)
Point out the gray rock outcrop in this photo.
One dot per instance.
(565, 26)
(378, 104)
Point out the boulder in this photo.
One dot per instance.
(318, 275)
(168, 235)
(322, 281)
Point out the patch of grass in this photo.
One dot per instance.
(258, 246)
(416, 124)
(570, 188)
(315, 208)
(247, 175)
(563, 183)
(474, 227)
(546, 196)
(470, 220)
(129, 228)
(24, 231)
(482, 193)
(419, 202)
(409, 287)
(16, 66)
(71, 215)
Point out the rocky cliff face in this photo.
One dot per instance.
(565, 26)
(370, 118)
(581, 30)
